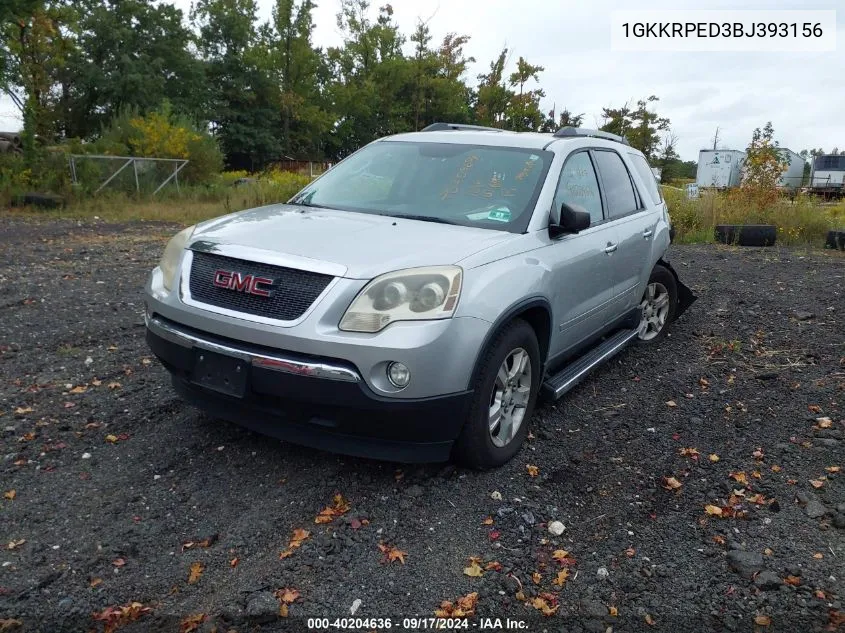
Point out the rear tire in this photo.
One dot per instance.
(658, 305)
(507, 382)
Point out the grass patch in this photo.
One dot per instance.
(188, 206)
(804, 220)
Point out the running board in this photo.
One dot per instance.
(557, 385)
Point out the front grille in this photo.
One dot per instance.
(294, 290)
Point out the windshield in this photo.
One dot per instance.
(470, 185)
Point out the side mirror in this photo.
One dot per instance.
(572, 220)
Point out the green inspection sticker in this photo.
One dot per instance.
(502, 214)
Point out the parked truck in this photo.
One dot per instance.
(719, 169)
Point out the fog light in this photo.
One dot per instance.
(398, 375)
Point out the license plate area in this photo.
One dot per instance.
(219, 372)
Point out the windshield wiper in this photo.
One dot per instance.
(427, 218)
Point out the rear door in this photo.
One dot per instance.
(581, 263)
(635, 222)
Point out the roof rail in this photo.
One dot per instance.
(572, 132)
(439, 127)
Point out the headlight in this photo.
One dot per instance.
(172, 253)
(415, 294)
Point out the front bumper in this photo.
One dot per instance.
(314, 401)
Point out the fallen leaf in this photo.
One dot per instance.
(118, 562)
(234, 562)
(487, 521)
(95, 582)
(96, 382)
(23, 410)
(740, 476)
(671, 404)
(79, 389)
(814, 408)
(833, 469)
(494, 535)
(816, 483)
(533, 471)
(536, 577)
(561, 577)
(613, 611)
(758, 454)
(8, 624)
(116, 617)
(299, 535)
(287, 595)
(560, 555)
(792, 580)
(283, 610)
(328, 514)
(689, 452)
(114, 385)
(474, 570)
(28, 437)
(713, 457)
(16, 544)
(196, 572)
(208, 541)
(493, 566)
(712, 510)
(776, 468)
(10, 494)
(355, 524)
(823, 423)
(111, 438)
(762, 620)
(821, 595)
(630, 552)
(396, 554)
(648, 619)
(757, 474)
(818, 556)
(464, 607)
(542, 604)
(768, 551)
(670, 483)
(704, 382)
(192, 623)
(719, 540)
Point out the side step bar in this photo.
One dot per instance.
(557, 385)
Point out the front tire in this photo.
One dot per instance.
(505, 392)
(658, 305)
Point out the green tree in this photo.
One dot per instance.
(640, 126)
(301, 71)
(244, 97)
(523, 113)
(493, 95)
(130, 54)
(564, 119)
(764, 163)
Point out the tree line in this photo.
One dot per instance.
(263, 89)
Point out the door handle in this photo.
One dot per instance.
(648, 233)
(610, 248)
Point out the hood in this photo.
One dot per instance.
(365, 245)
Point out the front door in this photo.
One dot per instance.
(581, 264)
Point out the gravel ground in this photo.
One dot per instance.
(115, 492)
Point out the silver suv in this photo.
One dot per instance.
(413, 302)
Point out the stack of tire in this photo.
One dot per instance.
(10, 143)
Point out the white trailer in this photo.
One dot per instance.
(793, 176)
(720, 169)
(827, 176)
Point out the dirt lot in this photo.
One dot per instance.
(106, 475)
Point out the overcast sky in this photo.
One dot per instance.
(803, 94)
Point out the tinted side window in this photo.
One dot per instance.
(618, 189)
(579, 188)
(647, 175)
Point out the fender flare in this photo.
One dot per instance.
(506, 317)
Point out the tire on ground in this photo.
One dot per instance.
(746, 234)
(835, 239)
(663, 275)
(474, 446)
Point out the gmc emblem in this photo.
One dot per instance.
(249, 284)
